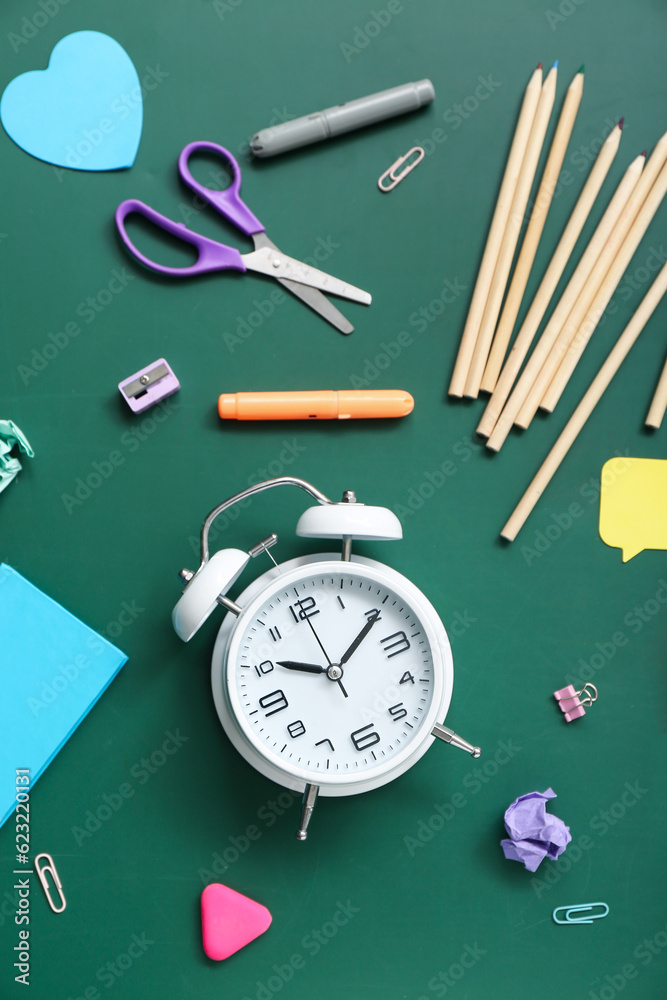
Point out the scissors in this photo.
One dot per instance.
(300, 279)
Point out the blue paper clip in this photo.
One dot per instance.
(588, 918)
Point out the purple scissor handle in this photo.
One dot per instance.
(227, 202)
(211, 254)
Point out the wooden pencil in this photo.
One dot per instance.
(611, 247)
(548, 284)
(659, 402)
(534, 232)
(511, 235)
(496, 231)
(565, 304)
(605, 291)
(583, 411)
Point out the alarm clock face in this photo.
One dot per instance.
(334, 674)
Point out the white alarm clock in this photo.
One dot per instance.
(331, 673)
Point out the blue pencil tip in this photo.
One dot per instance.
(555, 65)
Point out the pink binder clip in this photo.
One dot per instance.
(572, 704)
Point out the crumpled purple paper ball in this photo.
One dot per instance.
(535, 834)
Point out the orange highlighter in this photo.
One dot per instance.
(327, 404)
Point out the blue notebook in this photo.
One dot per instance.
(53, 668)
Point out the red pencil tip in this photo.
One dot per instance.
(620, 122)
(643, 153)
(539, 65)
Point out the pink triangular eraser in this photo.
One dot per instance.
(229, 920)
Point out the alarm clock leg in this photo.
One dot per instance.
(309, 798)
(449, 736)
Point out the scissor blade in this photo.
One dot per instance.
(276, 264)
(318, 303)
(310, 296)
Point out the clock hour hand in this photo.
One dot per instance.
(334, 672)
(360, 638)
(308, 668)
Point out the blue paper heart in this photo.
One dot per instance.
(84, 112)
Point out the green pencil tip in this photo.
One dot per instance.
(583, 67)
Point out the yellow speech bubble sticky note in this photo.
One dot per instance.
(633, 504)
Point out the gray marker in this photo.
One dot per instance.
(343, 118)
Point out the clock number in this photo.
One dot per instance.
(275, 634)
(326, 741)
(397, 711)
(373, 615)
(398, 641)
(305, 607)
(407, 678)
(265, 667)
(275, 700)
(365, 741)
(296, 729)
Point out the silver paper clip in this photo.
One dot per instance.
(41, 874)
(391, 172)
(586, 918)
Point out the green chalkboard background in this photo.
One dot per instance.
(449, 917)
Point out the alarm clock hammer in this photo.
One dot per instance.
(374, 710)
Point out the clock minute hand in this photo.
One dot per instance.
(333, 671)
(308, 668)
(360, 638)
